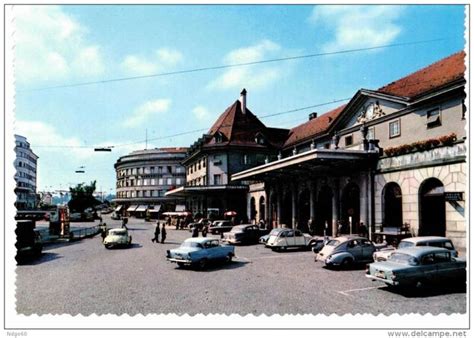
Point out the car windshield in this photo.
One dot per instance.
(333, 242)
(403, 258)
(117, 232)
(191, 245)
(274, 232)
(405, 244)
(237, 229)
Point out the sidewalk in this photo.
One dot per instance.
(43, 228)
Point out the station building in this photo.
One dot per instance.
(393, 159)
(25, 176)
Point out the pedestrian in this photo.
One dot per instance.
(195, 232)
(204, 231)
(163, 234)
(103, 231)
(339, 228)
(124, 222)
(157, 233)
(363, 230)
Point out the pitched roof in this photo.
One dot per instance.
(240, 129)
(313, 127)
(429, 78)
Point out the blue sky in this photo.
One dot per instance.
(60, 45)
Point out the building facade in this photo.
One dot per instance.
(25, 177)
(144, 176)
(238, 140)
(393, 159)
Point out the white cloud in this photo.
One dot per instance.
(201, 113)
(45, 135)
(249, 76)
(358, 26)
(51, 45)
(163, 59)
(146, 111)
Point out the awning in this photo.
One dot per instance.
(117, 209)
(132, 208)
(180, 207)
(205, 190)
(320, 161)
(177, 214)
(141, 208)
(156, 208)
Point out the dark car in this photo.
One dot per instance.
(220, 226)
(28, 241)
(245, 234)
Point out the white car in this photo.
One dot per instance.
(281, 239)
(434, 241)
(118, 237)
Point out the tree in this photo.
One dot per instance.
(82, 197)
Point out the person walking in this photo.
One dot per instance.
(157, 233)
(103, 231)
(195, 232)
(124, 222)
(204, 231)
(163, 234)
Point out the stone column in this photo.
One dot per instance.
(312, 201)
(267, 205)
(364, 191)
(293, 205)
(335, 206)
(278, 201)
(370, 198)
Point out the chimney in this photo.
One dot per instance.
(243, 101)
(312, 115)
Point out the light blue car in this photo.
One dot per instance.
(417, 266)
(200, 252)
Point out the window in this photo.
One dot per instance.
(348, 140)
(169, 181)
(170, 169)
(217, 179)
(152, 170)
(178, 181)
(371, 133)
(160, 170)
(433, 118)
(153, 181)
(146, 181)
(160, 181)
(394, 129)
(203, 162)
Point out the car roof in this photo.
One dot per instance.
(200, 239)
(348, 238)
(426, 239)
(418, 251)
(118, 230)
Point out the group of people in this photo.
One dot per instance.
(157, 233)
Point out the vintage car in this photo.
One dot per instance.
(29, 243)
(284, 238)
(346, 250)
(434, 241)
(118, 237)
(317, 243)
(245, 234)
(263, 239)
(220, 226)
(417, 266)
(199, 252)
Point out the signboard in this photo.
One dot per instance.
(454, 196)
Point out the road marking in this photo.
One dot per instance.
(345, 292)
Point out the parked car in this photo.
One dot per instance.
(417, 266)
(199, 252)
(346, 250)
(220, 226)
(28, 241)
(288, 238)
(317, 243)
(245, 234)
(263, 239)
(118, 237)
(434, 241)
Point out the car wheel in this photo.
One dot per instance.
(108, 246)
(283, 248)
(228, 258)
(202, 264)
(346, 262)
(420, 284)
(180, 265)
